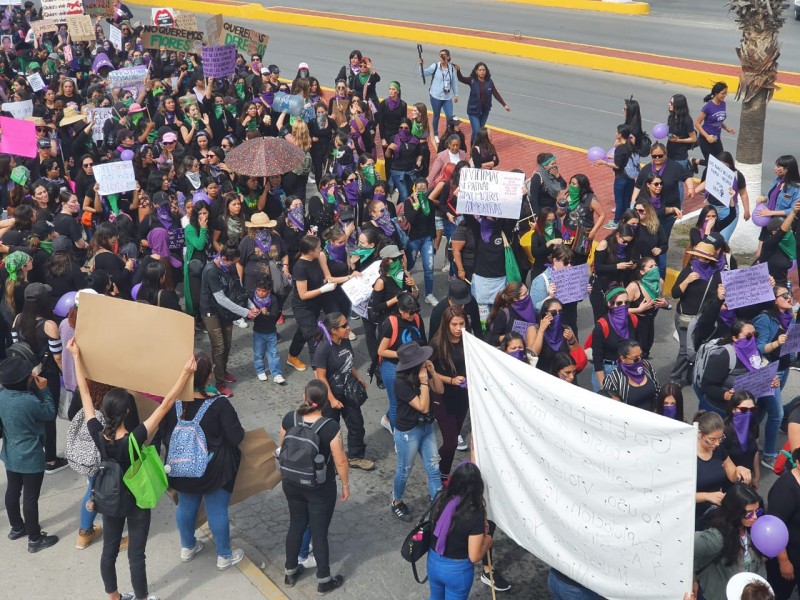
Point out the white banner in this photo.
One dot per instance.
(20, 110)
(601, 491)
(359, 289)
(490, 193)
(115, 178)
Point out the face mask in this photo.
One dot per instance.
(671, 411)
(128, 102)
(363, 253)
(741, 425)
(322, 118)
(379, 196)
(633, 371)
(518, 354)
(369, 173)
(218, 110)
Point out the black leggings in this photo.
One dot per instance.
(54, 386)
(371, 333)
(312, 507)
(138, 530)
(306, 331)
(28, 486)
(354, 420)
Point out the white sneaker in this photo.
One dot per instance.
(227, 563)
(240, 323)
(262, 376)
(436, 140)
(386, 425)
(462, 445)
(431, 299)
(309, 563)
(188, 554)
(279, 379)
(446, 267)
(352, 337)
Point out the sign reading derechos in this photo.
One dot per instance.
(171, 38)
(245, 40)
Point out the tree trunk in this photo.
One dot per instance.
(749, 157)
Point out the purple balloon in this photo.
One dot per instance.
(135, 291)
(66, 302)
(660, 131)
(596, 153)
(758, 219)
(769, 535)
(126, 155)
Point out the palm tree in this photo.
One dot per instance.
(760, 21)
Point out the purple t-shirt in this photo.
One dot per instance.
(715, 117)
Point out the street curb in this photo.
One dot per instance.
(560, 56)
(619, 8)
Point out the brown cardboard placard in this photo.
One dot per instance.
(81, 28)
(172, 38)
(186, 21)
(44, 26)
(99, 8)
(214, 29)
(133, 345)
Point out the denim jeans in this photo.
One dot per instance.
(436, 109)
(722, 213)
(87, 518)
(623, 192)
(305, 545)
(402, 180)
(682, 187)
(475, 123)
(389, 374)
(266, 344)
(596, 387)
(419, 440)
(449, 578)
(563, 588)
(217, 503)
(772, 408)
(425, 246)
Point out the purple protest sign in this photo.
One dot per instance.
(571, 283)
(758, 382)
(792, 344)
(219, 61)
(745, 287)
(17, 137)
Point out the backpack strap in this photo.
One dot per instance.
(731, 356)
(395, 324)
(201, 413)
(603, 326)
(319, 424)
(634, 320)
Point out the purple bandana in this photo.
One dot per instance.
(554, 335)
(336, 253)
(164, 216)
(525, 309)
(358, 126)
(379, 196)
(392, 103)
(621, 252)
(224, 267)
(404, 137)
(618, 319)
(671, 411)
(633, 371)
(260, 303)
(722, 262)
(158, 239)
(727, 316)
(518, 354)
(296, 217)
(741, 425)
(703, 269)
(351, 192)
(656, 201)
(487, 226)
(263, 240)
(786, 319)
(443, 524)
(747, 352)
(384, 221)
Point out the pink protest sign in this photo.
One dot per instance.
(18, 137)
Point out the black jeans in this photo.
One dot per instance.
(220, 332)
(306, 331)
(28, 486)
(54, 386)
(312, 507)
(351, 411)
(371, 335)
(138, 530)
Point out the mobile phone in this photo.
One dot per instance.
(37, 369)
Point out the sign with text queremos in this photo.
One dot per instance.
(179, 40)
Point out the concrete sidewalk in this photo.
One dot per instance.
(62, 571)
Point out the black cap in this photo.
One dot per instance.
(62, 244)
(14, 369)
(43, 143)
(42, 228)
(274, 69)
(160, 198)
(459, 292)
(36, 290)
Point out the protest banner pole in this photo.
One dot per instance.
(421, 66)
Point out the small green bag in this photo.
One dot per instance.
(512, 268)
(146, 478)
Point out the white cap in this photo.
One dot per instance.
(738, 582)
(302, 65)
(84, 291)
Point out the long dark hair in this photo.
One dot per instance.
(474, 73)
(727, 519)
(583, 184)
(32, 310)
(633, 116)
(308, 243)
(441, 343)
(788, 162)
(680, 112)
(622, 231)
(465, 482)
(625, 132)
(669, 389)
(116, 404)
(151, 282)
(202, 373)
(505, 297)
(715, 89)
(315, 397)
(737, 398)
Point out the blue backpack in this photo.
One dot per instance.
(188, 454)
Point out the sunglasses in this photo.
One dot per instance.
(746, 409)
(750, 336)
(656, 183)
(87, 165)
(754, 513)
(554, 312)
(345, 325)
(621, 303)
(641, 211)
(656, 156)
(785, 296)
(41, 129)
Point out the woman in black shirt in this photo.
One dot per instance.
(783, 501)
(741, 433)
(104, 257)
(406, 156)
(513, 310)
(335, 267)
(779, 249)
(546, 183)
(420, 211)
(633, 381)
(613, 261)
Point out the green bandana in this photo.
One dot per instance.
(574, 197)
(157, 92)
(20, 175)
(240, 90)
(549, 231)
(113, 200)
(416, 129)
(14, 262)
(395, 271)
(152, 136)
(46, 245)
(128, 102)
(252, 125)
(363, 253)
(613, 292)
(369, 173)
(788, 245)
(651, 282)
(330, 197)
(218, 110)
(362, 77)
(231, 108)
(136, 117)
(422, 203)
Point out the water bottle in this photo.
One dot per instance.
(321, 472)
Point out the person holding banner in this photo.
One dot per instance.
(609, 332)
(542, 288)
(646, 295)
(779, 250)
(727, 207)
(553, 336)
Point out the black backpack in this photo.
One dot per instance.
(110, 495)
(300, 460)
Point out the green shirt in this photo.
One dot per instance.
(23, 415)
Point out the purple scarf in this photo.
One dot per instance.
(260, 303)
(263, 240)
(618, 319)
(379, 196)
(325, 332)
(741, 425)
(703, 269)
(670, 411)
(487, 226)
(747, 350)
(443, 524)
(336, 253)
(164, 216)
(351, 192)
(225, 268)
(722, 262)
(786, 319)
(772, 201)
(404, 137)
(621, 252)
(633, 371)
(518, 354)
(525, 309)
(656, 201)
(358, 125)
(554, 335)
(296, 217)
(727, 316)
(392, 103)
(384, 221)
(158, 239)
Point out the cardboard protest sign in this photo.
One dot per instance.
(571, 283)
(134, 365)
(171, 38)
(792, 344)
(214, 29)
(719, 179)
(44, 26)
(20, 110)
(115, 178)
(10, 2)
(115, 37)
(17, 137)
(745, 287)
(162, 17)
(219, 61)
(80, 28)
(36, 82)
(128, 77)
(99, 8)
(186, 21)
(359, 289)
(101, 115)
(758, 382)
(245, 40)
(59, 9)
(490, 193)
